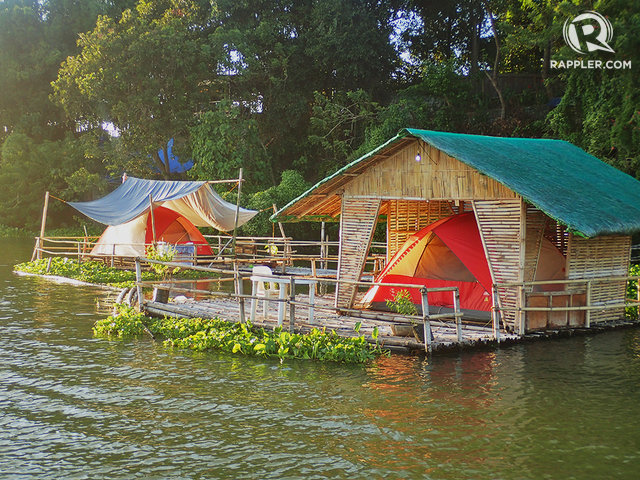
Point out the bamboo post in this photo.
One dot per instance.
(239, 292)
(426, 320)
(153, 220)
(292, 306)
(638, 298)
(235, 226)
(587, 314)
(495, 313)
(322, 253)
(37, 251)
(138, 280)
(520, 314)
(456, 304)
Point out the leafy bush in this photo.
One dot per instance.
(13, 232)
(632, 291)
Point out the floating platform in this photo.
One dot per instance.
(445, 335)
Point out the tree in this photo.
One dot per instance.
(225, 140)
(280, 53)
(66, 168)
(600, 109)
(149, 74)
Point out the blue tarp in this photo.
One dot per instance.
(197, 201)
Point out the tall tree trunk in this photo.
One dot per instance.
(163, 167)
(546, 65)
(494, 77)
(474, 44)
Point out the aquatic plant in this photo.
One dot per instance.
(216, 334)
(94, 272)
(126, 322)
(6, 231)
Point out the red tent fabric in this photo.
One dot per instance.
(173, 228)
(449, 253)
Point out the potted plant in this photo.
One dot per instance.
(402, 304)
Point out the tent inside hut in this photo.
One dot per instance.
(179, 207)
(543, 210)
(449, 253)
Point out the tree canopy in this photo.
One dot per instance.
(289, 90)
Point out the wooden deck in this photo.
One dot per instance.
(325, 316)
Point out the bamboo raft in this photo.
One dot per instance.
(445, 335)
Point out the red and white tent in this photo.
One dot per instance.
(449, 253)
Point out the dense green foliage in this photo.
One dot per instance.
(94, 272)
(215, 334)
(279, 87)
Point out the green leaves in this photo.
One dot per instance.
(206, 334)
(91, 272)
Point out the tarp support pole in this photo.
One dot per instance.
(235, 228)
(153, 221)
(37, 250)
(138, 286)
(239, 291)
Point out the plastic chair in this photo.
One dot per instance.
(266, 290)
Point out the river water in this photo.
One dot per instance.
(73, 406)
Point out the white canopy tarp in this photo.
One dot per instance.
(196, 201)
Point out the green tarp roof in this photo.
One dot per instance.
(577, 189)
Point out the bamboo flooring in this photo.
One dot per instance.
(325, 316)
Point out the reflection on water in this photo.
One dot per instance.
(75, 406)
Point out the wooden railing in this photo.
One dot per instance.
(573, 288)
(279, 252)
(238, 278)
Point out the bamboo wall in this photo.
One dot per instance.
(357, 223)
(499, 223)
(436, 177)
(406, 217)
(601, 257)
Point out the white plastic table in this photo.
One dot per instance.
(284, 283)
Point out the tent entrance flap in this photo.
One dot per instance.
(449, 253)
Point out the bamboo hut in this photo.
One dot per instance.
(519, 190)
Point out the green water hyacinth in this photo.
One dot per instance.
(126, 322)
(216, 334)
(95, 272)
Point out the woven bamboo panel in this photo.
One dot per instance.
(499, 225)
(601, 257)
(436, 177)
(536, 223)
(557, 234)
(406, 217)
(357, 223)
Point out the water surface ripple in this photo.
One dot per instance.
(72, 406)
